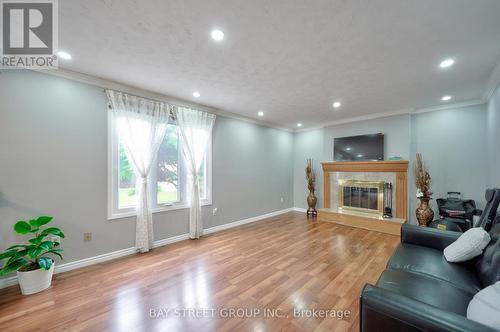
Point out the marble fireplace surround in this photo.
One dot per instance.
(394, 172)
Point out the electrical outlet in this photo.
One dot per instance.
(87, 236)
(215, 211)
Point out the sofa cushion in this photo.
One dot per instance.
(485, 307)
(431, 262)
(469, 245)
(432, 291)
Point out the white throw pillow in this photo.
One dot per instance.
(469, 245)
(484, 307)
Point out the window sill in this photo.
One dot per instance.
(127, 214)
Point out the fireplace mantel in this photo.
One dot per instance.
(366, 166)
(399, 167)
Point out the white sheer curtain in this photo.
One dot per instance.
(141, 125)
(196, 130)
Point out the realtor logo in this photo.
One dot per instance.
(29, 34)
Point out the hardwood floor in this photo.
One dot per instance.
(279, 264)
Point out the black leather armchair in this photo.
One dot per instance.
(421, 291)
(492, 197)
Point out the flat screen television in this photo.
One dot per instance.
(359, 148)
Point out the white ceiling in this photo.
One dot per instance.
(289, 58)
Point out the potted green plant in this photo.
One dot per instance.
(32, 261)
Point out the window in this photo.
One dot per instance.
(167, 168)
(167, 176)
(126, 179)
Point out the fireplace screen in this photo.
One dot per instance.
(361, 196)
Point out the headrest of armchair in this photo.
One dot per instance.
(496, 222)
(490, 194)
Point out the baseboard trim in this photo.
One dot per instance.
(173, 239)
(94, 260)
(11, 281)
(244, 221)
(7, 282)
(297, 209)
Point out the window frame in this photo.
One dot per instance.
(114, 212)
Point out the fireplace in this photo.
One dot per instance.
(360, 196)
(365, 174)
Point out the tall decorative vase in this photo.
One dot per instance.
(311, 203)
(311, 181)
(424, 212)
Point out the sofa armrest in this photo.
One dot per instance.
(427, 237)
(459, 221)
(384, 310)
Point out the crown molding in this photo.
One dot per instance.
(408, 111)
(357, 119)
(492, 84)
(113, 85)
(468, 103)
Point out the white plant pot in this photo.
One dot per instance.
(35, 281)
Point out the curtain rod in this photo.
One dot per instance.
(152, 99)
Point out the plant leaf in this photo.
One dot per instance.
(4, 271)
(44, 262)
(34, 253)
(15, 263)
(9, 253)
(22, 227)
(53, 231)
(10, 260)
(23, 252)
(13, 266)
(56, 252)
(47, 245)
(18, 246)
(40, 221)
(36, 241)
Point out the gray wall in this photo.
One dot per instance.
(53, 160)
(307, 144)
(452, 143)
(493, 132)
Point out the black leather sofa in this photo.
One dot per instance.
(421, 291)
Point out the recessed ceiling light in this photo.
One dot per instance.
(446, 98)
(196, 94)
(337, 104)
(446, 63)
(64, 55)
(299, 124)
(360, 156)
(348, 148)
(260, 113)
(217, 35)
